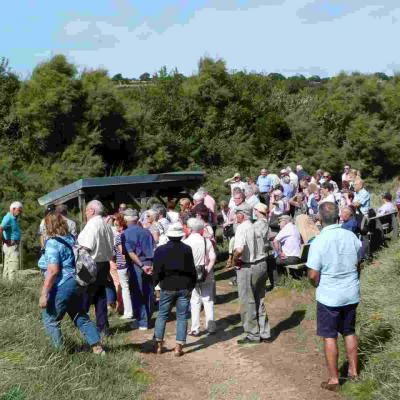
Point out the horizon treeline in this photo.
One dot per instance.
(60, 125)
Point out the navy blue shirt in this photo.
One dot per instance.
(174, 266)
(138, 240)
(351, 225)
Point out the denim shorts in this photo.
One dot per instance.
(334, 320)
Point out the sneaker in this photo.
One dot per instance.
(246, 340)
(99, 351)
(143, 328)
(126, 317)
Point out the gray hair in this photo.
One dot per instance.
(329, 213)
(96, 206)
(15, 204)
(203, 190)
(237, 190)
(195, 224)
(348, 209)
(198, 196)
(153, 213)
(159, 209)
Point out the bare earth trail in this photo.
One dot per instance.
(217, 368)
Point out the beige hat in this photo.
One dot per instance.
(237, 175)
(262, 208)
(285, 217)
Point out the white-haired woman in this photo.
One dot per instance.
(203, 293)
(155, 228)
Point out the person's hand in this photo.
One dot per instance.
(282, 256)
(148, 270)
(43, 301)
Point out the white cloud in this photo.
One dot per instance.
(268, 38)
(76, 27)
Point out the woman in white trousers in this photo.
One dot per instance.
(203, 293)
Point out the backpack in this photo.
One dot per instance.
(85, 266)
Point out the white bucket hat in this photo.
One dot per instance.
(175, 230)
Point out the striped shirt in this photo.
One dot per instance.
(121, 263)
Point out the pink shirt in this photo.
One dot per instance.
(209, 202)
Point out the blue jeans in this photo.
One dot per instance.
(167, 299)
(66, 299)
(142, 296)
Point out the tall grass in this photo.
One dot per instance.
(31, 369)
(379, 329)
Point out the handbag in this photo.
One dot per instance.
(201, 272)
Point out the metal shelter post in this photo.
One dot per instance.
(82, 208)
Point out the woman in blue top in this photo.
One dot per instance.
(60, 293)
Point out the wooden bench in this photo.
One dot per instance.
(388, 223)
(303, 259)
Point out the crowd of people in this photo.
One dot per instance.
(165, 256)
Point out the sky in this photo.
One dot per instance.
(309, 37)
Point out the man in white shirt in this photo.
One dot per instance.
(294, 179)
(346, 176)
(203, 293)
(287, 242)
(251, 198)
(235, 182)
(387, 207)
(249, 259)
(97, 237)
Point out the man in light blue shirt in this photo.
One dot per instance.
(11, 236)
(264, 184)
(362, 198)
(333, 268)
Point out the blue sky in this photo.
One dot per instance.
(307, 37)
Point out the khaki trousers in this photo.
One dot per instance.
(251, 288)
(11, 261)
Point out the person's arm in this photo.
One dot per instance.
(237, 253)
(51, 275)
(189, 261)
(228, 181)
(212, 257)
(314, 263)
(314, 277)
(158, 275)
(86, 239)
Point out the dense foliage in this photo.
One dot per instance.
(60, 125)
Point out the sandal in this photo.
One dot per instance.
(194, 333)
(178, 352)
(333, 387)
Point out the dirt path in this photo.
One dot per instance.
(217, 368)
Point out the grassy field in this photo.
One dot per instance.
(379, 329)
(30, 369)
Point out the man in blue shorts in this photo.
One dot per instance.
(333, 269)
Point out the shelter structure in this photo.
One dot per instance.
(136, 189)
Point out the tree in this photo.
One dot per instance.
(145, 77)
